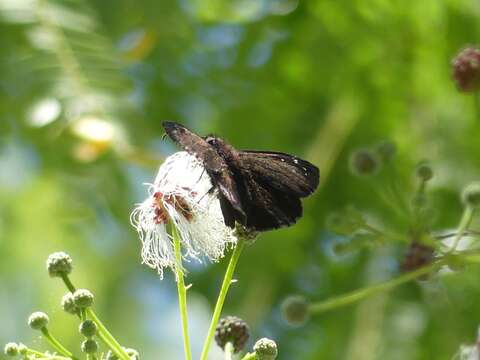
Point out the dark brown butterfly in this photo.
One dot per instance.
(259, 189)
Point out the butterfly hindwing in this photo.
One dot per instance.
(267, 207)
(282, 171)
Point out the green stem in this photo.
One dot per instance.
(182, 292)
(373, 229)
(462, 227)
(228, 351)
(388, 200)
(35, 352)
(396, 189)
(383, 234)
(68, 283)
(250, 356)
(40, 355)
(56, 344)
(476, 104)
(106, 337)
(83, 315)
(352, 297)
(227, 280)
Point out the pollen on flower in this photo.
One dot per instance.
(181, 196)
(180, 204)
(161, 216)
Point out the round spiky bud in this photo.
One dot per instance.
(295, 310)
(466, 69)
(38, 320)
(424, 171)
(234, 330)
(68, 304)
(265, 349)
(89, 346)
(386, 150)
(83, 298)
(11, 349)
(132, 353)
(364, 162)
(417, 256)
(88, 328)
(471, 195)
(59, 264)
(22, 349)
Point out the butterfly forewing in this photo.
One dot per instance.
(215, 165)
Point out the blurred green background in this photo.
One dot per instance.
(84, 86)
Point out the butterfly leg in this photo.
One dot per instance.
(209, 192)
(201, 175)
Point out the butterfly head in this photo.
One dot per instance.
(212, 139)
(223, 148)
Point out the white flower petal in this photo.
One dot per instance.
(183, 191)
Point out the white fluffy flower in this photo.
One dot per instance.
(181, 196)
(467, 352)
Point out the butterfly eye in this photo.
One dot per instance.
(211, 140)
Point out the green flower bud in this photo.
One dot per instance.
(234, 330)
(364, 162)
(83, 298)
(89, 346)
(265, 349)
(38, 320)
(59, 264)
(88, 328)
(424, 171)
(295, 310)
(68, 304)
(11, 349)
(471, 195)
(22, 349)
